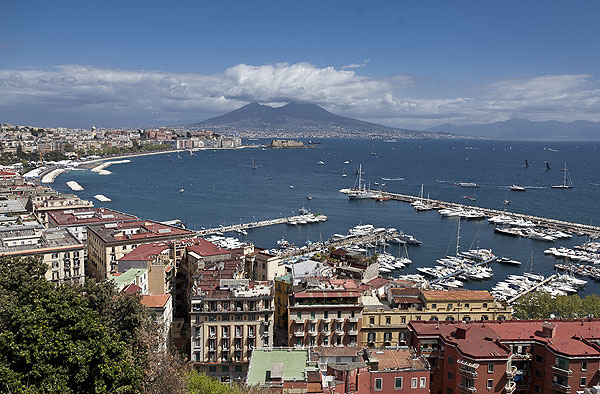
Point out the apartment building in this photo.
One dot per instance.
(385, 322)
(76, 220)
(325, 312)
(525, 356)
(230, 317)
(47, 201)
(107, 243)
(59, 249)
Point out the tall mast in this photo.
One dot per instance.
(458, 237)
(565, 175)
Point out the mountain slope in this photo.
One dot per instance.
(298, 119)
(526, 129)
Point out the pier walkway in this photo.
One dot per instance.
(371, 238)
(532, 288)
(246, 226)
(579, 228)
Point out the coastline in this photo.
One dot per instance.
(140, 154)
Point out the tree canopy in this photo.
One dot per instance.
(72, 339)
(540, 305)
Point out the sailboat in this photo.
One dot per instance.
(178, 155)
(547, 165)
(253, 163)
(567, 183)
(191, 152)
(360, 192)
(526, 163)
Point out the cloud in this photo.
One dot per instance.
(81, 95)
(356, 65)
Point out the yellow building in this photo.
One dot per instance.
(283, 287)
(385, 323)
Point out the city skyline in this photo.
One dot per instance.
(401, 65)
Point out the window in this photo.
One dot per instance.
(371, 337)
(539, 359)
(299, 315)
(398, 384)
(418, 318)
(312, 315)
(485, 304)
(238, 368)
(371, 320)
(422, 382)
(413, 383)
(403, 320)
(326, 315)
(537, 373)
(536, 389)
(388, 320)
(450, 376)
(490, 384)
(584, 365)
(339, 314)
(378, 384)
(484, 317)
(433, 306)
(582, 382)
(466, 305)
(450, 360)
(225, 368)
(490, 368)
(212, 369)
(449, 306)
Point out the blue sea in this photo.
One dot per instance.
(222, 187)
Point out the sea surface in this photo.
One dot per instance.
(221, 187)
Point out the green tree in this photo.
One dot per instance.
(540, 305)
(198, 383)
(78, 339)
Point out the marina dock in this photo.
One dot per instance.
(578, 228)
(461, 271)
(532, 288)
(246, 226)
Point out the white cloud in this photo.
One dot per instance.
(356, 65)
(68, 95)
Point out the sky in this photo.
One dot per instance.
(410, 64)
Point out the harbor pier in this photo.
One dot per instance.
(555, 224)
(532, 288)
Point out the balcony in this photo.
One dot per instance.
(326, 320)
(519, 356)
(225, 335)
(563, 388)
(510, 387)
(313, 320)
(562, 371)
(467, 389)
(265, 333)
(238, 334)
(339, 332)
(299, 333)
(467, 371)
(353, 332)
(340, 319)
(353, 319)
(299, 320)
(326, 333)
(313, 333)
(251, 335)
(212, 335)
(511, 372)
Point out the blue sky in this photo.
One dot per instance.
(402, 63)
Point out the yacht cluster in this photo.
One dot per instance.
(574, 255)
(226, 242)
(525, 228)
(556, 285)
(306, 218)
(453, 271)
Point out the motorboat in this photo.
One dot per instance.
(517, 188)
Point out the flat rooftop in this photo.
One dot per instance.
(88, 216)
(139, 230)
(49, 239)
(294, 364)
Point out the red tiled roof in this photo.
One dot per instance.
(155, 301)
(98, 215)
(378, 282)
(457, 295)
(204, 248)
(145, 252)
(571, 337)
(406, 300)
(132, 288)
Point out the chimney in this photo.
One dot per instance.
(548, 329)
